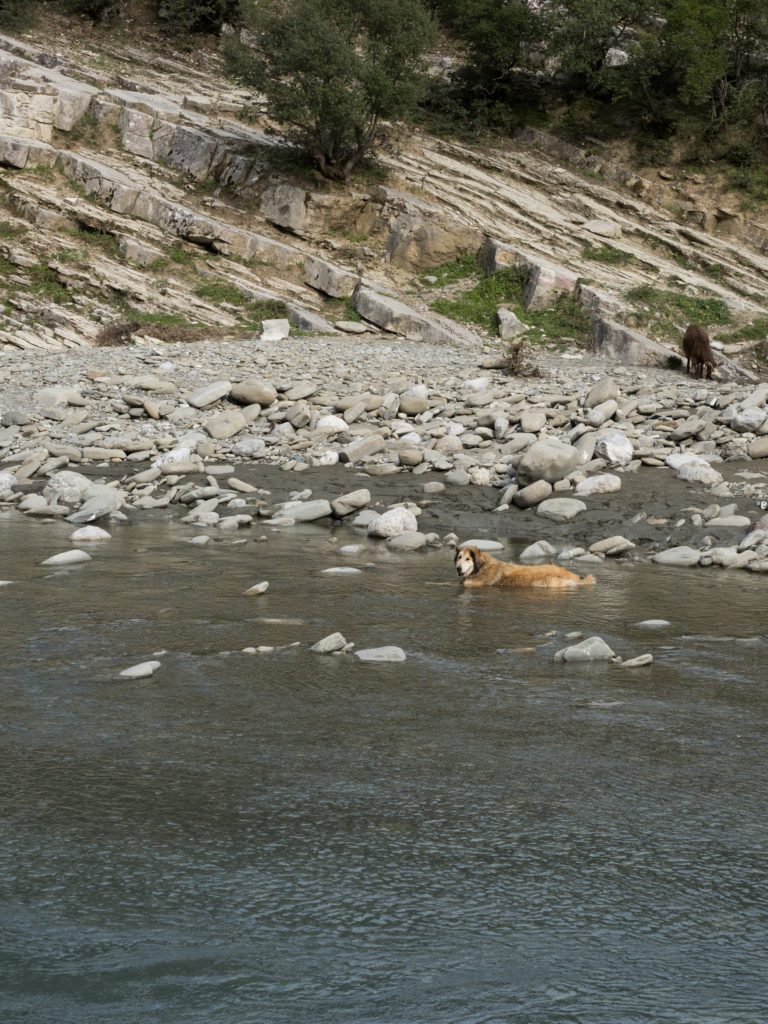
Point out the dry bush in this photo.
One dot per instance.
(119, 333)
(519, 357)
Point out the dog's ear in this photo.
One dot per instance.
(477, 558)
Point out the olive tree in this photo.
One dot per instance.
(335, 72)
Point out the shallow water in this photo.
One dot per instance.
(474, 836)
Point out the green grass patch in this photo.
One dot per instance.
(222, 292)
(178, 254)
(709, 310)
(43, 281)
(10, 231)
(606, 254)
(478, 305)
(448, 273)
(755, 331)
(255, 312)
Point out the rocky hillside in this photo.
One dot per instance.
(138, 201)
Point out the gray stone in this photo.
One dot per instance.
(351, 502)
(100, 500)
(603, 391)
(639, 662)
(66, 487)
(253, 392)
(482, 544)
(408, 541)
(611, 546)
(387, 654)
(594, 648)
(531, 495)
(603, 483)
(681, 556)
(540, 550)
(560, 510)
(362, 448)
(329, 279)
(286, 206)
(306, 511)
(393, 522)
(549, 460)
(209, 394)
(71, 557)
(758, 449)
(329, 644)
(225, 425)
(510, 327)
(393, 315)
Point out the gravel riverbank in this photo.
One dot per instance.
(231, 436)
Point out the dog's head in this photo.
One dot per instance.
(468, 561)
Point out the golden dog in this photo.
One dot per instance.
(479, 569)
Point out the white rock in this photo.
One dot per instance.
(639, 662)
(66, 487)
(654, 623)
(615, 447)
(679, 556)
(482, 544)
(411, 540)
(275, 330)
(381, 654)
(140, 671)
(616, 545)
(699, 471)
(603, 483)
(329, 644)
(68, 558)
(340, 570)
(748, 420)
(594, 648)
(331, 424)
(182, 454)
(209, 394)
(560, 510)
(7, 481)
(603, 228)
(542, 549)
(89, 533)
(393, 522)
(257, 589)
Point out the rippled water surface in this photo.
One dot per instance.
(477, 835)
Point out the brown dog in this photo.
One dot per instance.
(479, 569)
(697, 350)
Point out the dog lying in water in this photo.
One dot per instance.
(479, 569)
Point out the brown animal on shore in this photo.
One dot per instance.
(697, 350)
(479, 569)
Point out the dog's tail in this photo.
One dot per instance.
(587, 581)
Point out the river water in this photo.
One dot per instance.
(475, 836)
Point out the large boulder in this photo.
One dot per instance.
(616, 342)
(329, 279)
(393, 522)
(286, 206)
(66, 487)
(545, 283)
(550, 460)
(393, 315)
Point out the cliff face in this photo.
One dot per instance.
(133, 194)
